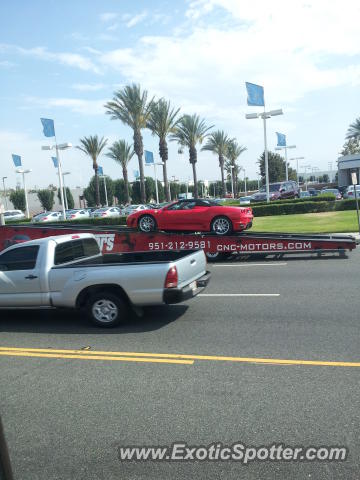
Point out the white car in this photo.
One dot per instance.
(47, 217)
(14, 215)
(350, 192)
(77, 214)
(107, 212)
(134, 208)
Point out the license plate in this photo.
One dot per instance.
(193, 285)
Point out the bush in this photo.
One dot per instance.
(17, 198)
(46, 198)
(292, 208)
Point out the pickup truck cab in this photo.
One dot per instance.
(68, 271)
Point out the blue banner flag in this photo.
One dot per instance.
(48, 127)
(100, 170)
(281, 139)
(255, 95)
(136, 174)
(149, 157)
(16, 160)
(55, 162)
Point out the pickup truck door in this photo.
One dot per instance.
(20, 277)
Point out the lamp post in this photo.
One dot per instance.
(23, 173)
(6, 204)
(232, 180)
(314, 170)
(305, 178)
(265, 115)
(64, 187)
(156, 185)
(285, 148)
(62, 146)
(243, 169)
(297, 166)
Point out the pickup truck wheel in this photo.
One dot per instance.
(147, 224)
(106, 310)
(221, 226)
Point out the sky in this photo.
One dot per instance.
(65, 59)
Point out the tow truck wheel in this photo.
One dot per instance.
(216, 256)
(147, 224)
(221, 226)
(106, 309)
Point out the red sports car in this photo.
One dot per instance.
(195, 215)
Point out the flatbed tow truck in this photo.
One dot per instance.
(117, 239)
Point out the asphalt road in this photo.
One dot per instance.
(65, 418)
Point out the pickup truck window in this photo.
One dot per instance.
(75, 250)
(21, 258)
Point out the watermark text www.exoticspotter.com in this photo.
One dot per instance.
(237, 452)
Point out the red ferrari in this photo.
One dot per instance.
(193, 215)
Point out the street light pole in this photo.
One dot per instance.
(65, 193)
(297, 166)
(232, 180)
(23, 172)
(57, 147)
(285, 148)
(6, 203)
(264, 116)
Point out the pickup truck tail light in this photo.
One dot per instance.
(171, 280)
(73, 216)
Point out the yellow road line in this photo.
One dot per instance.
(93, 357)
(172, 356)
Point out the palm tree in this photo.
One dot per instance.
(233, 152)
(190, 131)
(93, 147)
(131, 106)
(218, 142)
(122, 153)
(163, 121)
(354, 129)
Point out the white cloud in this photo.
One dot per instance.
(65, 58)
(88, 87)
(108, 16)
(132, 20)
(7, 64)
(77, 105)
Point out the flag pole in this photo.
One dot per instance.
(266, 159)
(60, 180)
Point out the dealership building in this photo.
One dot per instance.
(346, 165)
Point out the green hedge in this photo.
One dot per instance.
(292, 208)
(318, 198)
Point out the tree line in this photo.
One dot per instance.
(133, 107)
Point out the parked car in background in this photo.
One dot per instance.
(196, 215)
(350, 191)
(14, 215)
(245, 200)
(77, 214)
(304, 194)
(107, 212)
(278, 191)
(91, 210)
(47, 217)
(134, 208)
(313, 192)
(332, 191)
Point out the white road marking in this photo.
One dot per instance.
(250, 265)
(239, 295)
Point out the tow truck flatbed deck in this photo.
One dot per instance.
(117, 239)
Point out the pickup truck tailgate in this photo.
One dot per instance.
(190, 268)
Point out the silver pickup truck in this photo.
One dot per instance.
(69, 271)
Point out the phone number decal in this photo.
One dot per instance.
(181, 245)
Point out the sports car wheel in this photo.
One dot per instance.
(221, 226)
(147, 224)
